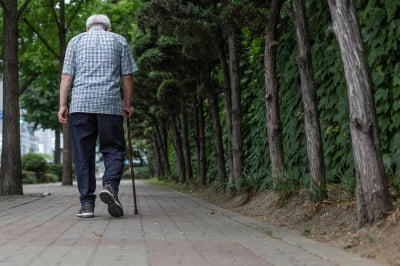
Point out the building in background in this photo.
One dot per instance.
(39, 141)
(46, 141)
(29, 142)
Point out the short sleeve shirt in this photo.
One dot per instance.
(97, 59)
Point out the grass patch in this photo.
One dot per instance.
(141, 172)
(369, 238)
(158, 182)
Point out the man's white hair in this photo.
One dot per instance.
(98, 19)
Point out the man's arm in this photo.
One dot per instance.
(65, 85)
(127, 90)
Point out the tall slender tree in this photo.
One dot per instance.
(212, 97)
(158, 135)
(308, 91)
(57, 48)
(185, 143)
(373, 201)
(10, 173)
(200, 141)
(274, 126)
(179, 23)
(234, 74)
(227, 99)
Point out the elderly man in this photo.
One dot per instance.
(95, 63)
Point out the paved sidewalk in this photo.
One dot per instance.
(171, 229)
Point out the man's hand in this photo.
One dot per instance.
(128, 111)
(63, 115)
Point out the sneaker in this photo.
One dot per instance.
(86, 211)
(109, 197)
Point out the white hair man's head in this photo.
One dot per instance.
(98, 19)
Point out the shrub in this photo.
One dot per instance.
(285, 185)
(253, 183)
(35, 163)
(50, 178)
(139, 172)
(29, 177)
(55, 169)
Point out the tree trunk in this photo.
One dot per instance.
(227, 71)
(67, 151)
(57, 149)
(311, 115)
(274, 126)
(177, 141)
(202, 142)
(10, 175)
(162, 168)
(66, 179)
(373, 199)
(237, 150)
(196, 134)
(218, 144)
(185, 144)
(164, 148)
(156, 165)
(228, 103)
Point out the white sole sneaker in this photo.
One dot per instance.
(85, 215)
(114, 207)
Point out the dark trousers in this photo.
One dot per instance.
(86, 128)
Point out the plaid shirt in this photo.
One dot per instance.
(97, 59)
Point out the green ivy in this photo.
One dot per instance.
(380, 27)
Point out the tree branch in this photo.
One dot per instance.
(73, 15)
(54, 14)
(27, 83)
(22, 8)
(41, 38)
(290, 12)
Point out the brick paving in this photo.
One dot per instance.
(171, 229)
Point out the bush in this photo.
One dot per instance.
(34, 162)
(285, 185)
(29, 177)
(50, 178)
(253, 183)
(142, 172)
(55, 169)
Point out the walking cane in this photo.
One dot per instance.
(135, 208)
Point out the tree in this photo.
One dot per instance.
(199, 125)
(373, 199)
(58, 24)
(10, 173)
(311, 115)
(212, 97)
(205, 43)
(185, 143)
(147, 105)
(199, 40)
(274, 126)
(168, 92)
(176, 90)
(234, 74)
(40, 101)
